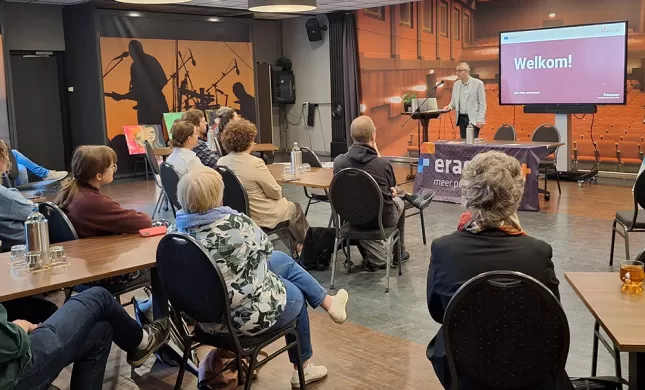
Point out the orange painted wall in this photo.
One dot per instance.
(388, 71)
(496, 16)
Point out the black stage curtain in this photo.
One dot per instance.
(345, 78)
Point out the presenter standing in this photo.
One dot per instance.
(469, 99)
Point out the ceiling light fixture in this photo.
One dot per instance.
(213, 19)
(134, 14)
(277, 6)
(552, 15)
(152, 1)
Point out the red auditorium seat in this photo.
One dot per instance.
(615, 137)
(632, 138)
(583, 151)
(629, 153)
(607, 152)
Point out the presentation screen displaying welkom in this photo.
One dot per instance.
(564, 65)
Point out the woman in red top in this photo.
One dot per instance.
(92, 213)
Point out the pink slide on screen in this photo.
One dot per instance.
(568, 71)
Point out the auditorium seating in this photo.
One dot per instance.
(584, 151)
(607, 152)
(632, 138)
(629, 153)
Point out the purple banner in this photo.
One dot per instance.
(440, 172)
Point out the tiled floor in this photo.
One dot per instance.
(577, 224)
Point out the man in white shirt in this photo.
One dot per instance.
(469, 99)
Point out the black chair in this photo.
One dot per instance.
(310, 157)
(505, 330)
(235, 197)
(631, 221)
(12, 175)
(358, 212)
(156, 172)
(197, 288)
(505, 133)
(548, 133)
(218, 147)
(169, 181)
(419, 211)
(60, 227)
(60, 230)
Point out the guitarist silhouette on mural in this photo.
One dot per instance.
(147, 80)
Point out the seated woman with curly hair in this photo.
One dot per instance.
(267, 206)
(489, 237)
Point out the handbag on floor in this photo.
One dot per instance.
(598, 383)
(218, 370)
(318, 248)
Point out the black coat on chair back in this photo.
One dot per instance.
(460, 256)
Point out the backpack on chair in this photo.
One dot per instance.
(318, 248)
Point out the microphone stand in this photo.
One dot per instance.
(113, 66)
(418, 111)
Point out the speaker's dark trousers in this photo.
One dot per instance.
(462, 122)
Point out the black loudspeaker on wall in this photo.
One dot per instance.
(284, 87)
(314, 30)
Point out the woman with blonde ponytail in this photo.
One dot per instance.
(185, 136)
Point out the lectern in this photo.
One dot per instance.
(424, 118)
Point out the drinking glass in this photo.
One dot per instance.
(34, 261)
(632, 274)
(305, 168)
(17, 256)
(57, 255)
(286, 172)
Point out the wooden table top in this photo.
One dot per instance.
(621, 315)
(90, 259)
(259, 148)
(322, 177)
(265, 148)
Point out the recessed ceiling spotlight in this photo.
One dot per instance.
(278, 6)
(552, 15)
(213, 19)
(134, 14)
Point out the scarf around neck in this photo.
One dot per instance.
(186, 220)
(511, 227)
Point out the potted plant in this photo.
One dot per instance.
(407, 101)
(284, 63)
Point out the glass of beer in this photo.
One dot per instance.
(632, 274)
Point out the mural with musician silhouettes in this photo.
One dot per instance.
(145, 78)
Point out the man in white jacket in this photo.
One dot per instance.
(469, 100)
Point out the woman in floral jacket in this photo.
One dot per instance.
(268, 289)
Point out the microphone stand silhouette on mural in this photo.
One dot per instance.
(147, 80)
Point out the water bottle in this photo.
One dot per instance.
(37, 234)
(210, 140)
(296, 159)
(470, 134)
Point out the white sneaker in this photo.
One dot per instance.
(56, 175)
(337, 311)
(312, 374)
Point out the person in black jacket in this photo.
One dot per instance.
(364, 154)
(489, 238)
